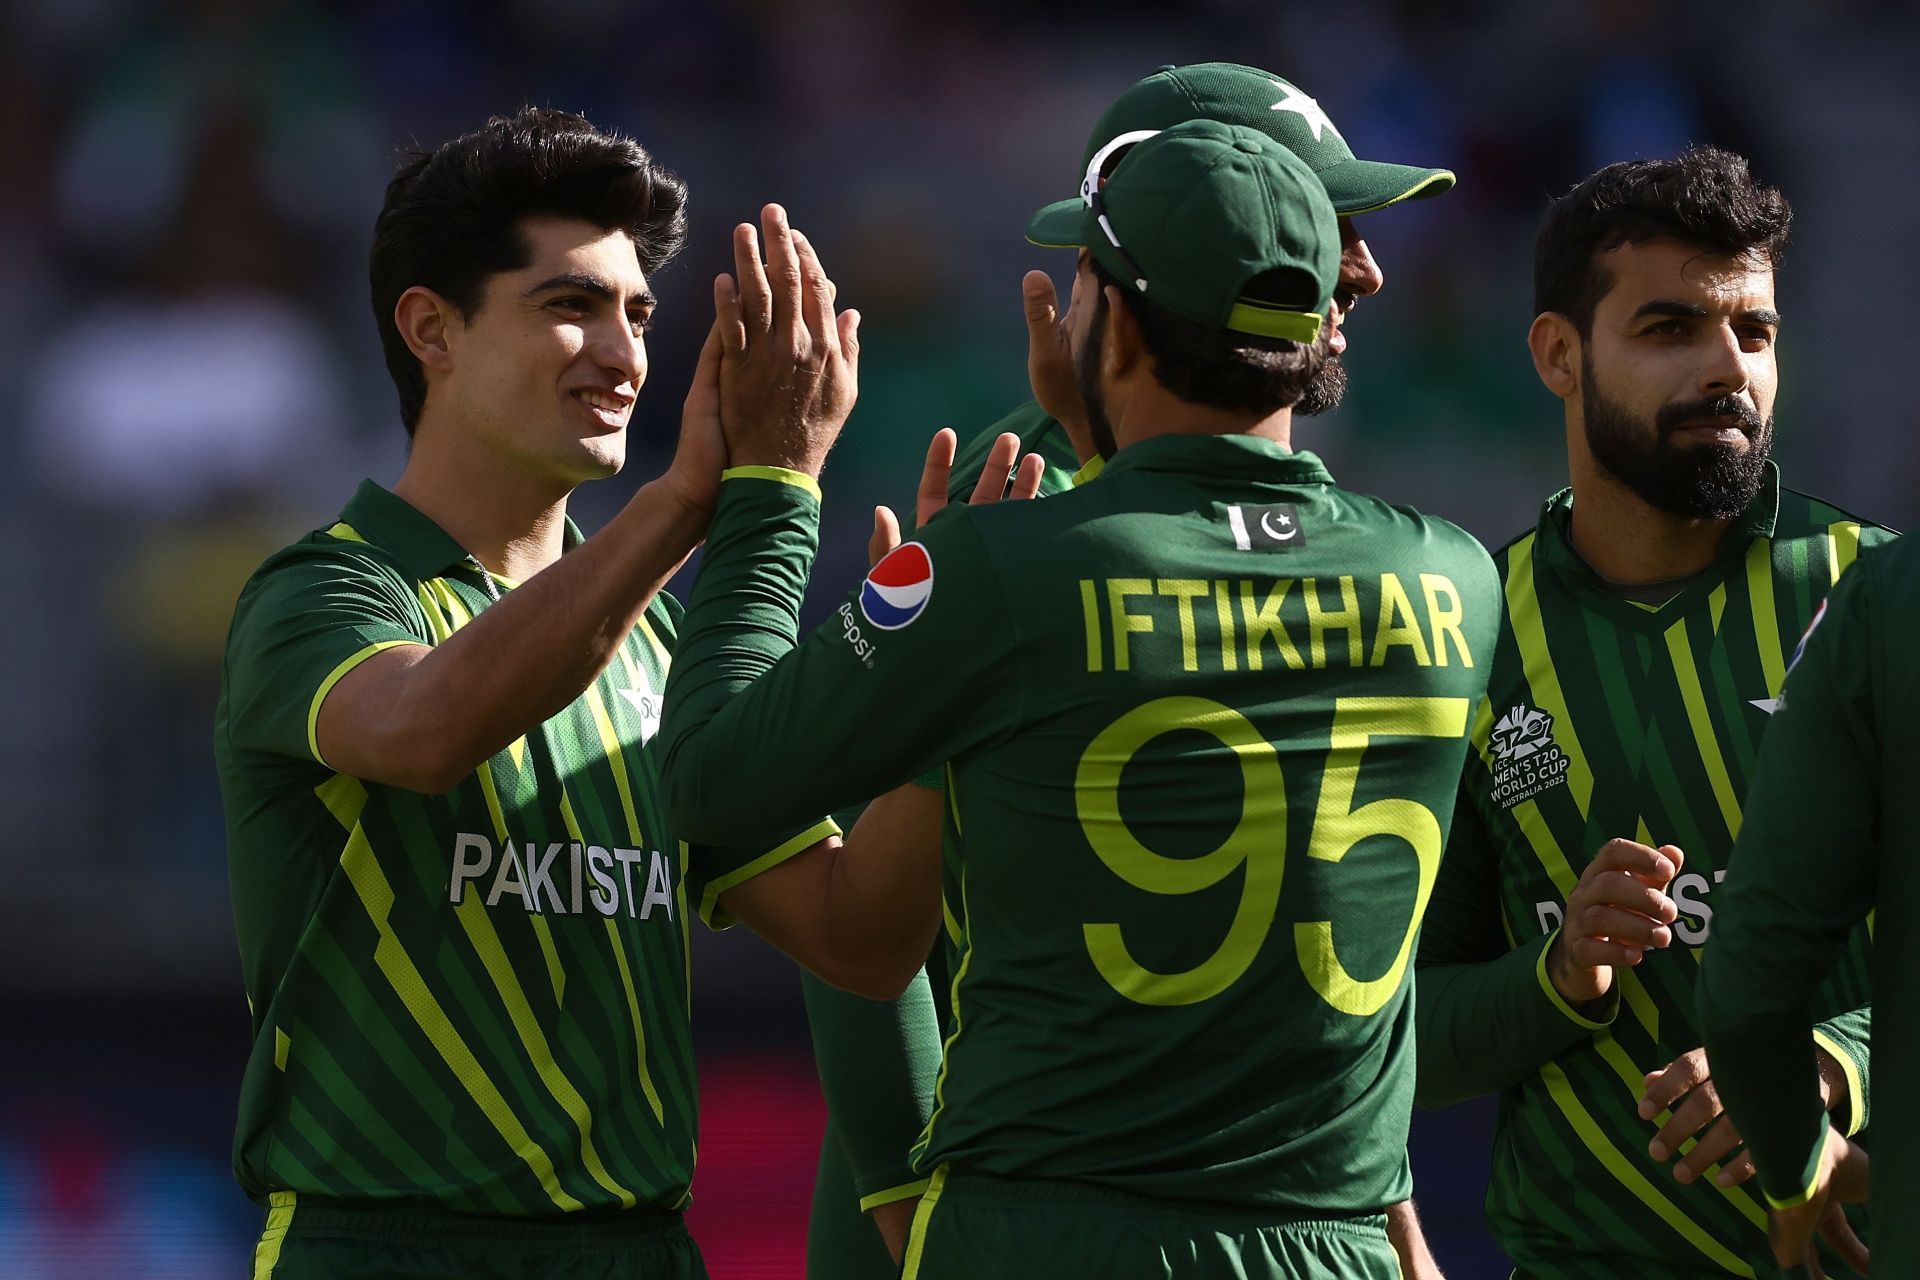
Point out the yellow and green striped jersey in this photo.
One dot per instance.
(1609, 717)
(476, 1001)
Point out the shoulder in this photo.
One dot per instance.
(328, 573)
(1406, 530)
(1804, 515)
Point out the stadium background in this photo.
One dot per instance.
(188, 378)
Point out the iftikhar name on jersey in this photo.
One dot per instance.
(1689, 892)
(560, 879)
(1225, 624)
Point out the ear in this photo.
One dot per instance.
(1555, 345)
(425, 320)
(1126, 349)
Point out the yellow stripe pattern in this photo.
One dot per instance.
(780, 475)
(266, 1254)
(893, 1195)
(1631, 1178)
(1856, 1094)
(1694, 696)
(710, 900)
(1766, 624)
(922, 1218)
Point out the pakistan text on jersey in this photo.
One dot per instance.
(1224, 624)
(561, 878)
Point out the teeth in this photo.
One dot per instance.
(598, 401)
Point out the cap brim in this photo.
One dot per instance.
(1057, 226)
(1362, 186)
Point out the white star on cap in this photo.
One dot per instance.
(1308, 109)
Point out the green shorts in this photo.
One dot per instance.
(309, 1240)
(973, 1227)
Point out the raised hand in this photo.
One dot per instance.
(1617, 912)
(789, 365)
(1022, 482)
(1056, 383)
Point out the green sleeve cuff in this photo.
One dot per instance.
(710, 909)
(1091, 468)
(1559, 1002)
(1807, 1179)
(893, 1195)
(779, 475)
(1850, 1067)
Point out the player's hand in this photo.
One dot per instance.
(701, 455)
(1616, 913)
(789, 367)
(1842, 1178)
(1022, 482)
(1056, 383)
(1688, 1077)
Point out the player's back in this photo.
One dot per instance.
(1191, 875)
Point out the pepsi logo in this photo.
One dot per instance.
(897, 590)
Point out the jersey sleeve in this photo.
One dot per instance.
(758, 733)
(1778, 931)
(1487, 1014)
(711, 870)
(877, 1061)
(301, 624)
(1848, 1037)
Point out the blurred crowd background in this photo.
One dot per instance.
(189, 377)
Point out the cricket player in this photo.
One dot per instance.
(462, 910)
(840, 1245)
(1054, 423)
(1200, 722)
(1828, 840)
(1648, 616)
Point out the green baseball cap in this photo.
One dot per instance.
(1193, 213)
(1235, 94)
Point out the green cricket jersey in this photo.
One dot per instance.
(1829, 839)
(1610, 718)
(1038, 434)
(477, 1000)
(1202, 721)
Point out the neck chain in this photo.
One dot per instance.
(486, 579)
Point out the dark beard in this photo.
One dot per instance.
(1086, 368)
(1324, 393)
(1703, 481)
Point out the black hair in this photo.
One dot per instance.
(1704, 197)
(453, 215)
(1223, 368)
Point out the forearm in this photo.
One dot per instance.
(878, 1061)
(1410, 1243)
(1481, 1027)
(862, 915)
(440, 712)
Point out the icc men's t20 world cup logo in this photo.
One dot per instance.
(1526, 760)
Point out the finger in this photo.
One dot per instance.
(1612, 923)
(1674, 855)
(885, 537)
(849, 326)
(1737, 1170)
(727, 320)
(1664, 1087)
(1627, 894)
(1695, 1113)
(816, 296)
(1042, 307)
(935, 475)
(1599, 953)
(783, 269)
(1716, 1148)
(1842, 1239)
(756, 301)
(1790, 1231)
(1634, 858)
(1027, 477)
(997, 470)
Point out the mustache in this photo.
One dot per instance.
(1673, 416)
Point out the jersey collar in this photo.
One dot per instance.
(419, 546)
(1555, 542)
(1235, 457)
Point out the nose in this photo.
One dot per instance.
(1358, 270)
(1726, 371)
(620, 350)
